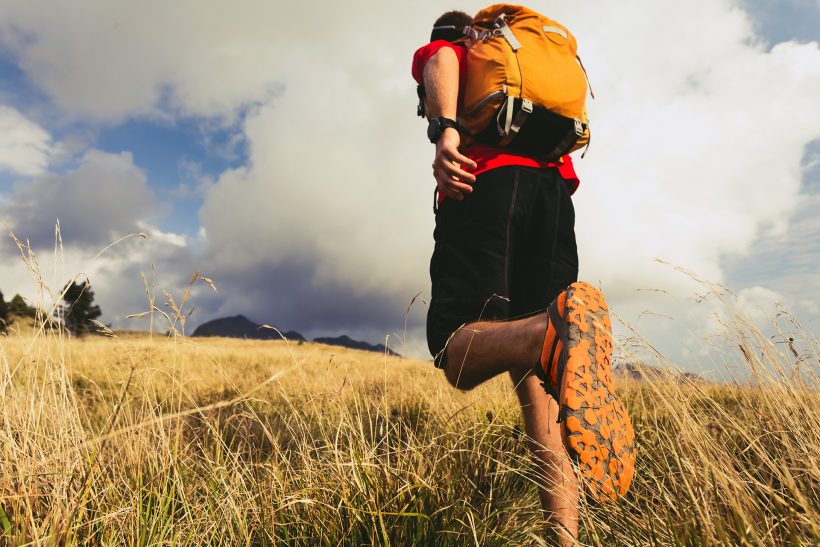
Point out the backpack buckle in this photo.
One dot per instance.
(579, 128)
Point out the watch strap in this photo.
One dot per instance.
(447, 122)
(437, 127)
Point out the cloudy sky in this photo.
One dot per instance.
(273, 146)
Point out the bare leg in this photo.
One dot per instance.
(480, 351)
(558, 490)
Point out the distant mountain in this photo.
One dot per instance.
(240, 326)
(347, 342)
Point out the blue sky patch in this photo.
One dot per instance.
(784, 20)
(173, 156)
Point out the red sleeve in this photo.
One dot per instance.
(424, 53)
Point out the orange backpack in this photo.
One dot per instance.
(525, 86)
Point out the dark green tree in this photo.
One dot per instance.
(18, 307)
(78, 309)
(4, 314)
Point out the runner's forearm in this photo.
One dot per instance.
(441, 84)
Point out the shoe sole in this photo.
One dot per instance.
(597, 432)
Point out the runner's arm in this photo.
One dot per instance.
(441, 85)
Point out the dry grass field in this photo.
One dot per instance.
(139, 440)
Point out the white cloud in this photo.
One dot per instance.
(25, 147)
(786, 262)
(103, 199)
(698, 168)
(105, 61)
(698, 137)
(759, 303)
(164, 259)
(168, 263)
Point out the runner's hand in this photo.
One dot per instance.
(453, 182)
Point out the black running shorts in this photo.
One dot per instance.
(504, 252)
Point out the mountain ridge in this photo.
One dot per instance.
(239, 326)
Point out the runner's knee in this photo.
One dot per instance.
(453, 373)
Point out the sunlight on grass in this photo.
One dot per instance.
(138, 439)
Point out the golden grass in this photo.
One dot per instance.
(144, 440)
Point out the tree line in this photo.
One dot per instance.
(76, 312)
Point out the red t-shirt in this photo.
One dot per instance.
(488, 157)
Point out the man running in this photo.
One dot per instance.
(505, 296)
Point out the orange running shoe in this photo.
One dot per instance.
(575, 368)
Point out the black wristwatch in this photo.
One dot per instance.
(437, 127)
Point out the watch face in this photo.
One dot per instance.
(434, 130)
